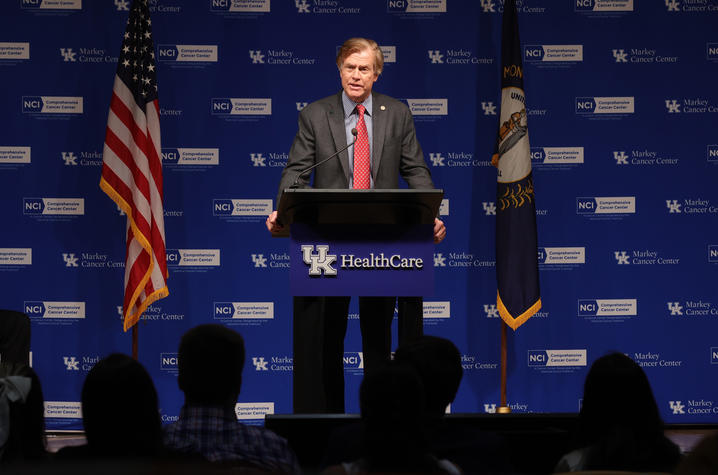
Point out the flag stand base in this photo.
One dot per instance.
(503, 410)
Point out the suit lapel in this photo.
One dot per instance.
(379, 123)
(335, 117)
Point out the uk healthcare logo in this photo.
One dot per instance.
(68, 55)
(320, 262)
(437, 159)
(675, 308)
(260, 364)
(71, 363)
(258, 160)
(620, 157)
(620, 56)
(488, 107)
(435, 56)
(256, 56)
(302, 6)
(673, 206)
(677, 407)
(491, 311)
(673, 106)
(622, 258)
(70, 260)
(489, 208)
(69, 158)
(439, 260)
(259, 260)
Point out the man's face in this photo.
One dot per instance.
(358, 75)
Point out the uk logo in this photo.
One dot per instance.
(676, 308)
(673, 106)
(437, 159)
(439, 260)
(677, 407)
(70, 158)
(620, 56)
(673, 6)
(71, 363)
(489, 108)
(258, 160)
(70, 260)
(302, 6)
(68, 55)
(620, 157)
(301, 105)
(491, 311)
(259, 260)
(260, 364)
(621, 257)
(489, 208)
(488, 6)
(436, 57)
(122, 5)
(673, 206)
(321, 262)
(490, 408)
(257, 56)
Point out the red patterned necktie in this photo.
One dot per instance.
(361, 153)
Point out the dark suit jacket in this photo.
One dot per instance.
(395, 150)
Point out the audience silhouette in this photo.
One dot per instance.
(211, 358)
(395, 438)
(22, 422)
(119, 412)
(437, 361)
(620, 427)
(14, 337)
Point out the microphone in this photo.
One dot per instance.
(296, 180)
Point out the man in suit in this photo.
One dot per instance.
(386, 148)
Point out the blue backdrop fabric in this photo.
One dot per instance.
(622, 111)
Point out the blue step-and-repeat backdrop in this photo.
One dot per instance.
(622, 112)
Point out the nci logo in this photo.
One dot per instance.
(557, 358)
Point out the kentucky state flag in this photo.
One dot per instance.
(518, 296)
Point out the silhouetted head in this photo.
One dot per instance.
(119, 408)
(26, 418)
(437, 361)
(211, 358)
(617, 394)
(392, 410)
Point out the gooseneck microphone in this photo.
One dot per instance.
(308, 169)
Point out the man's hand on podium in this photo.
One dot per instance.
(273, 225)
(439, 230)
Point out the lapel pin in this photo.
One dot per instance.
(383, 108)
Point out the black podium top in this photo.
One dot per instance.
(329, 206)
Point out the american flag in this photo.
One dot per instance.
(132, 165)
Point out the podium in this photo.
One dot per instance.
(360, 242)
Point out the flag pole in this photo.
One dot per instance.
(503, 408)
(135, 339)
